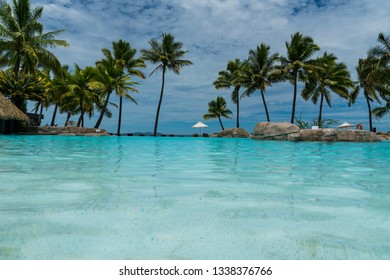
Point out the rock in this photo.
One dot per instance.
(274, 131)
(383, 135)
(291, 132)
(345, 135)
(365, 136)
(311, 134)
(295, 137)
(233, 133)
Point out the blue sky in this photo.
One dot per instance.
(215, 32)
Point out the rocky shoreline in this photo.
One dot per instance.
(291, 132)
(64, 130)
(262, 131)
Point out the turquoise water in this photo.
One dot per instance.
(189, 198)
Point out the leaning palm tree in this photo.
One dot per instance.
(23, 43)
(261, 72)
(328, 76)
(167, 55)
(297, 62)
(232, 77)
(112, 74)
(218, 109)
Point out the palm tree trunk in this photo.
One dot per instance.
(40, 114)
(369, 109)
(17, 63)
(37, 107)
(295, 97)
(120, 116)
(320, 114)
(81, 119)
(67, 119)
(99, 121)
(160, 101)
(54, 115)
(265, 106)
(238, 110)
(81, 112)
(220, 122)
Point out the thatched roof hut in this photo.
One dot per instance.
(9, 112)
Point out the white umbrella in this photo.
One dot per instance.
(200, 125)
(345, 125)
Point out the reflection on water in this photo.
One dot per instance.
(185, 198)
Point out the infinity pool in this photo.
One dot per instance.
(192, 198)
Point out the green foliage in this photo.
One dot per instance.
(324, 123)
(217, 109)
(300, 123)
(21, 87)
(23, 43)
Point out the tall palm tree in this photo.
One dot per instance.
(218, 109)
(126, 54)
(232, 77)
(261, 72)
(22, 40)
(299, 51)
(381, 53)
(112, 73)
(167, 54)
(368, 75)
(328, 76)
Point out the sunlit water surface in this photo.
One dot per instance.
(188, 198)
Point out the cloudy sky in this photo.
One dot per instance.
(214, 32)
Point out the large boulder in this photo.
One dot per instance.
(275, 131)
(233, 133)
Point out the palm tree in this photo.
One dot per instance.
(59, 89)
(381, 53)
(167, 55)
(328, 76)
(126, 54)
(112, 74)
(217, 109)
(20, 87)
(368, 80)
(261, 72)
(43, 97)
(297, 62)
(22, 40)
(83, 86)
(232, 77)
